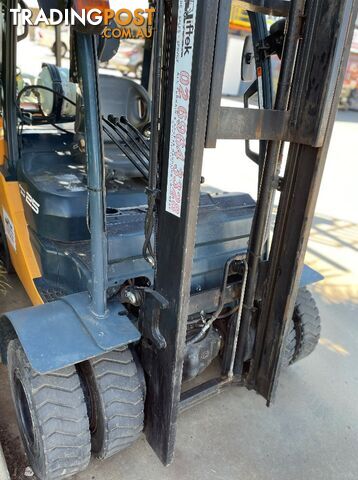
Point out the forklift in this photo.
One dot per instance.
(150, 293)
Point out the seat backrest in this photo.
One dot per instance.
(122, 96)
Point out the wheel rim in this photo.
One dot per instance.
(26, 421)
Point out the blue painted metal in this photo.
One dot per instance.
(65, 332)
(87, 69)
(309, 276)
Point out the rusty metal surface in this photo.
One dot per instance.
(251, 124)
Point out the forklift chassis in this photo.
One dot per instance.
(137, 288)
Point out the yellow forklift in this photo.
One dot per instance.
(140, 278)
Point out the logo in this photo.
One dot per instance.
(123, 23)
(189, 26)
(35, 206)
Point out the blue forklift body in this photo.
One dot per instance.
(76, 322)
(65, 332)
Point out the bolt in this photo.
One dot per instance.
(82, 144)
(131, 297)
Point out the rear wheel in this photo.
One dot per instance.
(4, 251)
(305, 329)
(113, 386)
(52, 417)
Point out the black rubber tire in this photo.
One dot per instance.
(115, 395)
(5, 258)
(305, 329)
(52, 417)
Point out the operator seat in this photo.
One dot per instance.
(54, 177)
(122, 96)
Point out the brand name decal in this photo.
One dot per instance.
(180, 104)
(35, 206)
(189, 26)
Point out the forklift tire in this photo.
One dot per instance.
(113, 386)
(5, 258)
(305, 330)
(52, 417)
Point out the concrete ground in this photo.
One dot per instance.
(311, 432)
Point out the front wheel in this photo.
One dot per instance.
(52, 417)
(114, 388)
(305, 329)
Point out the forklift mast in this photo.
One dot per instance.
(314, 55)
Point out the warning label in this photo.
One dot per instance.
(9, 229)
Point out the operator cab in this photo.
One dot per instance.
(51, 168)
(52, 158)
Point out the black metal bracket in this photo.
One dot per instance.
(149, 316)
(221, 42)
(253, 88)
(177, 214)
(273, 43)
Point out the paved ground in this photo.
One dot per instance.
(312, 430)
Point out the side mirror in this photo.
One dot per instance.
(248, 66)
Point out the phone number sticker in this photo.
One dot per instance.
(180, 105)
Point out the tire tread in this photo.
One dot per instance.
(305, 329)
(60, 410)
(122, 399)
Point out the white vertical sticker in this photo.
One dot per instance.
(180, 108)
(9, 228)
(260, 87)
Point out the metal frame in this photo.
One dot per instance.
(221, 42)
(83, 325)
(88, 73)
(269, 181)
(58, 45)
(324, 51)
(175, 244)
(273, 283)
(9, 95)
